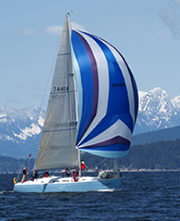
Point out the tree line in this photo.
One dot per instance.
(162, 155)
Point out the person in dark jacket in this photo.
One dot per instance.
(36, 175)
(46, 174)
(24, 175)
(68, 172)
(32, 175)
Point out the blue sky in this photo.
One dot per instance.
(147, 33)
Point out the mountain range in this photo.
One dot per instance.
(157, 111)
(20, 130)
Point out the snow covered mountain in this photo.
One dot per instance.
(20, 130)
(19, 125)
(157, 111)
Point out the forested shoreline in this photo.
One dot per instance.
(161, 155)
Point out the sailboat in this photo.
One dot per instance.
(92, 108)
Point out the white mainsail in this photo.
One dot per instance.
(57, 146)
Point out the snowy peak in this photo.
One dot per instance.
(156, 98)
(16, 125)
(176, 102)
(157, 111)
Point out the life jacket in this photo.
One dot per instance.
(83, 166)
(14, 179)
(75, 175)
(46, 174)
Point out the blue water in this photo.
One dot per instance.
(144, 196)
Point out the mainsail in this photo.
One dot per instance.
(57, 143)
(100, 118)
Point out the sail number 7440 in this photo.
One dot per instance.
(58, 89)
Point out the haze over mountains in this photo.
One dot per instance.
(20, 130)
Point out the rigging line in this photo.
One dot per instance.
(50, 71)
(100, 162)
(18, 174)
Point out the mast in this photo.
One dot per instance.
(73, 73)
(75, 96)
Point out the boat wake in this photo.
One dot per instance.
(106, 190)
(6, 191)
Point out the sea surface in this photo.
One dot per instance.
(144, 196)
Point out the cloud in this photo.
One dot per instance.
(176, 2)
(28, 31)
(77, 26)
(171, 17)
(57, 30)
(54, 30)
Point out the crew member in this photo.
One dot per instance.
(24, 175)
(46, 174)
(36, 175)
(68, 172)
(75, 176)
(83, 167)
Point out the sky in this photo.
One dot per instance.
(147, 33)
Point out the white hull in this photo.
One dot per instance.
(67, 184)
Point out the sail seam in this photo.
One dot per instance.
(60, 54)
(58, 130)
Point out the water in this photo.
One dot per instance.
(144, 196)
